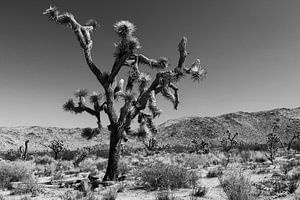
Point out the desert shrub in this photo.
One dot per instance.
(30, 185)
(123, 167)
(14, 171)
(164, 195)
(215, 172)
(68, 154)
(193, 161)
(11, 155)
(87, 165)
(64, 165)
(101, 164)
(235, 185)
(89, 133)
(26, 198)
(294, 176)
(111, 194)
(258, 157)
(199, 191)
(292, 186)
(2, 197)
(71, 195)
(43, 160)
(45, 170)
(245, 156)
(164, 176)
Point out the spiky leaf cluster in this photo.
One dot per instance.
(124, 28)
(128, 43)
(69, 106)
(95, 98)
(197, 71)
(81, 92)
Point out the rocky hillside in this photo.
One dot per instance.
(40, 137)
(252, 128)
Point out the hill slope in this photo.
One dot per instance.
(39, 137)
(252, 128)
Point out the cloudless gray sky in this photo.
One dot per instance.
(251, 50)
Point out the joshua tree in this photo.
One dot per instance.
(228, 143)
(23, 150)
(273, 143)
(293, 128)
(136, 99)
(56, 146)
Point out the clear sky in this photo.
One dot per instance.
(251, 50)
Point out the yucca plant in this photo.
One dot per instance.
(140, 91)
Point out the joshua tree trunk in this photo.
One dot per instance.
(112, 171)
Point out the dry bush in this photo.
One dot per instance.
(26, 198)
(71, 195)
(30, 186)
(164, 176)
(46, 170)
(90, 164)
(215, 172)
(12, 171)
(258, 157)
(111, 194)
(87, 165)
(43, 160)
(2, 197)
(199, 191)
(64, 165)
(123, 167)
(235, 185)
(165, 195)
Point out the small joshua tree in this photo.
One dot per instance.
(228, 143)
(57, 146)
(293, 129)
(136, 99)
(203, 146)
(23, 150)
(273, 143)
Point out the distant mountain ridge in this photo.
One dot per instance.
(251, 126)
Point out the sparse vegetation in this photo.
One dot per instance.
(199, 191)
(164, 195)
(14, 171)
(111, 194)
(159, 175)
(235, 185)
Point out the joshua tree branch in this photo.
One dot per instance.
(83, 34)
